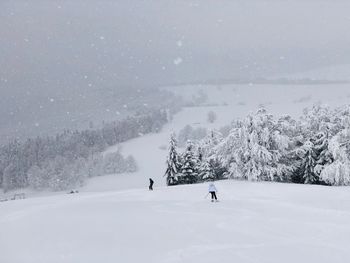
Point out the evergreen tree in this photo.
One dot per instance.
(309, 157)
(338, 171)
(9, 178)
(206, 172)
(314, 156)
(209, 144)
(324, 156)
(189, 166)
(36, 177)
(254, 149)
(173, 163)
(219, 171)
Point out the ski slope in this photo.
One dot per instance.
(253, 222)
(116, 219)
(229, 102)
(150, 152)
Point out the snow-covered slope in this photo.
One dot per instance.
(238, 100)
(229, 102)
(150, 153)
(116, 219)
(254, 222)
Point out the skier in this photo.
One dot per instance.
(212, 190)
(151, 182)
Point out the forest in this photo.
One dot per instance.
(314, 149)
(65, 161)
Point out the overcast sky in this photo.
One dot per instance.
(68, 48)
(60, 43)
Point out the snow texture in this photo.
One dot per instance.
(254, 222)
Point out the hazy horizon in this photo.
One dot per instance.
(76, 49)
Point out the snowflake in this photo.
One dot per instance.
(179, 43)
(178, 61)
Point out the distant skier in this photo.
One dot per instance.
(212, 190)
(151, 182)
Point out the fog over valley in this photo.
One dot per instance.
(60, 59)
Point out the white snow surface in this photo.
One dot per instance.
(253, 222)
(229, 102)
(116, 219)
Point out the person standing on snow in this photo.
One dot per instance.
(151, 182)
(212, 190)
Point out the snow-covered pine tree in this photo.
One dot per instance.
(189, 171)
(219, 170)
(315, 119)
(324, 157)
(210, 165)
(322, 118)
(254, 149)
(313, 157)
(338, 172)
(9, 178)
(210, 142)
(308, 164)
(173, 162)
(206, 171)
(36, 177)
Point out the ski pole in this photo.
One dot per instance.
(205, 197)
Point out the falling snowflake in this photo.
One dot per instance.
(178, 61)
(179, 43)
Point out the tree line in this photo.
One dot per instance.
(67, 159)
(314, 149)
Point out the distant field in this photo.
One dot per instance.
(240, 99)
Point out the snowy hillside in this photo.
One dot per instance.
(121, 121)
(254, 222)
(150, 153)
(116, 219)
(237, 100)
(229, 102)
